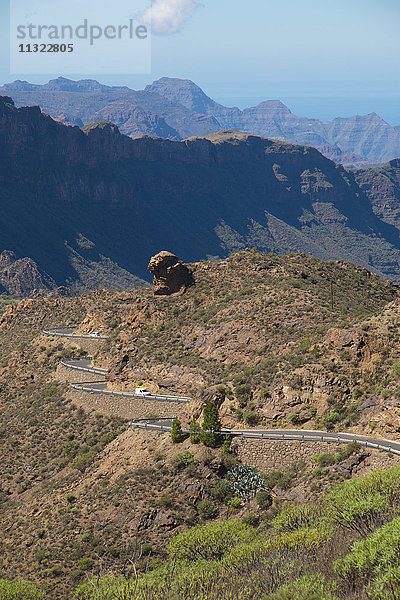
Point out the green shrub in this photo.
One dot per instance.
(325, 459)
(207, 509)
(297, 517)
(263, 499)
(396, 370)
(18, 589)
(235, 503)
(209, 542)
(293, 418)
(330, 419)
(362, 505)
(279, 479)
(85, 563)
(166, 501)
(250, 417)
(182, 460)
(376, 561)
(251, 519)
(176, 431)
(226, 444)
(347, 450)
(243, 393)
(221, 490)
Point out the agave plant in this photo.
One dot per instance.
(245, 481)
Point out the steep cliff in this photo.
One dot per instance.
(22, 277)
(91, 206)
(178, 108)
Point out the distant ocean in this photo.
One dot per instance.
(327, 107)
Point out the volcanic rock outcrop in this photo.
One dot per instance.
(170, 274)
(22, 277)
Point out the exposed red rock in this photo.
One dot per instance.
(170, 274)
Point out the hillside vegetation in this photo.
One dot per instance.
(258, 333)
(85, 500)
(345, 546)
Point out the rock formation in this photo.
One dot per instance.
(22, 277)
(178, 108)
(170, 274)
(93, 222)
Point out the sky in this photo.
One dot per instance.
(323, 58)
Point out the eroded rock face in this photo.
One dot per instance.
(22, 277)
(170, 274)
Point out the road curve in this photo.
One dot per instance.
(69, 332)
(300, 435)
(83, 364)
(165, 424)
(96, 387)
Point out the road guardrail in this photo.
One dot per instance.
(384, 445)
(159, 398)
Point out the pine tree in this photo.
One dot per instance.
(195, 431)
(211, 426)
(176, 431)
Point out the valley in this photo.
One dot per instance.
(107, 202)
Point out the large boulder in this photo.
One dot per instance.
(170, 274)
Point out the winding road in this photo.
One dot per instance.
(93, 387)
(299, 435)
(69, 333)
(165, 424)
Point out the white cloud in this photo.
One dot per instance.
(166, 17)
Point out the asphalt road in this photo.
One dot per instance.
(101, 386)
(83, 364)
(301, 435)
(69, 332)
(166, 424)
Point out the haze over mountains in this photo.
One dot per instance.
(176, 109)
(90, 207)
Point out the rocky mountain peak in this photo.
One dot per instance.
(62, 84)
(7, 258)
(184, 91)
(273, 106)
(104, 126)
(20, 85)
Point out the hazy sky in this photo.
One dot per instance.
(323, 58)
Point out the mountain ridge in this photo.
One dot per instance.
(178, 109)
(107, 201)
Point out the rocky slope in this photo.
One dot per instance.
(257, 333)
(176, 109)
(81, 494)
(89, 207)
(22, 277)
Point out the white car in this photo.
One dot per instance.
(142, 391)
(95, 334)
